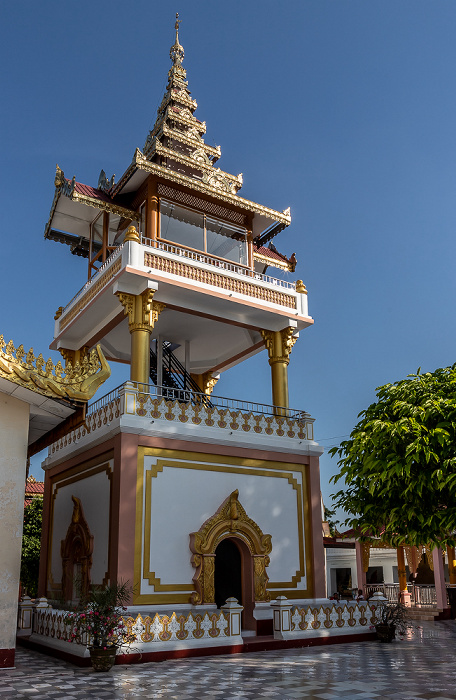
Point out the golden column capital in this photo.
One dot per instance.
(142, 312)
(208, 382)
(279, 344)
(141, 309)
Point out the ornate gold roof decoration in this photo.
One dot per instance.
(78, 383)
(176, 137)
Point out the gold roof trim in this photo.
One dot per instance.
(273, 262)
(179, 96)
(190, 140)
(105, 206)
(200, 162)
(79, 383)
(140, 162)
(182, 118)
(67, 188)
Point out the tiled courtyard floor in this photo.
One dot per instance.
(419, 667)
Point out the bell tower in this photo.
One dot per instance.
(177, 288)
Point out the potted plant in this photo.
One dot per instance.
(391, 617)
(97, 621)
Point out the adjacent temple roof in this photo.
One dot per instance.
(55, 395)
(174, 150)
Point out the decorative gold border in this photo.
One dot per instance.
(204, 462)
(173, 267)
(141, 163)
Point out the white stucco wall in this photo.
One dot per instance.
(14, 425)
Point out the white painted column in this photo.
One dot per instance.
(14, 426)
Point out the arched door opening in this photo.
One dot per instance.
(233, 577)
(227, 573)
(231, 522)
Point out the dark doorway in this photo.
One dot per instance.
(228, 573)
(374, 574)
(343, 581)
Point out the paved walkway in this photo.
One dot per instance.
(419, 667)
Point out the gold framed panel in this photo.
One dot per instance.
(79, 473)
(180, 593)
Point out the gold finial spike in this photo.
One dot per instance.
(132, 235)
(176, 53)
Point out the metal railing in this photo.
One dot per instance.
(107, 263)
(223, 265)
(422, 594)
(189, 396)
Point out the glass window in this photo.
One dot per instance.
(226, 241)
(142, 220)
(182, 226)
(196, 230)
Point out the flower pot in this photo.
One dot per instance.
(385, 633)
(102, 659)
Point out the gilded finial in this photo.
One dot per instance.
(132, 235)
(176, 53)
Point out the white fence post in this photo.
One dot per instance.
(25, 616)
(282, 617)
(233, 611)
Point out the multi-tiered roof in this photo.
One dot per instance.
(176, 140)
(175, 151)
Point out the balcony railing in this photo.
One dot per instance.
(115, 254)
(276, 291)
(422, 595)
(222, 265)
(187, 396)
(193, 414)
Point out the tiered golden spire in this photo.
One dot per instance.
(176, 52)
(176, 140)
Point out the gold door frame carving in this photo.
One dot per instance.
(76, 548)
(230, 520)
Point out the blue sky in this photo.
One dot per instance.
(344, 110)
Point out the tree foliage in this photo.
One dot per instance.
(332, 523)
(399, 464)
(31, 546)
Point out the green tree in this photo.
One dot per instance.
(399, 464)
(31, 545)
(329, 518)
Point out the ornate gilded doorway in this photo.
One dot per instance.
(232, 523)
